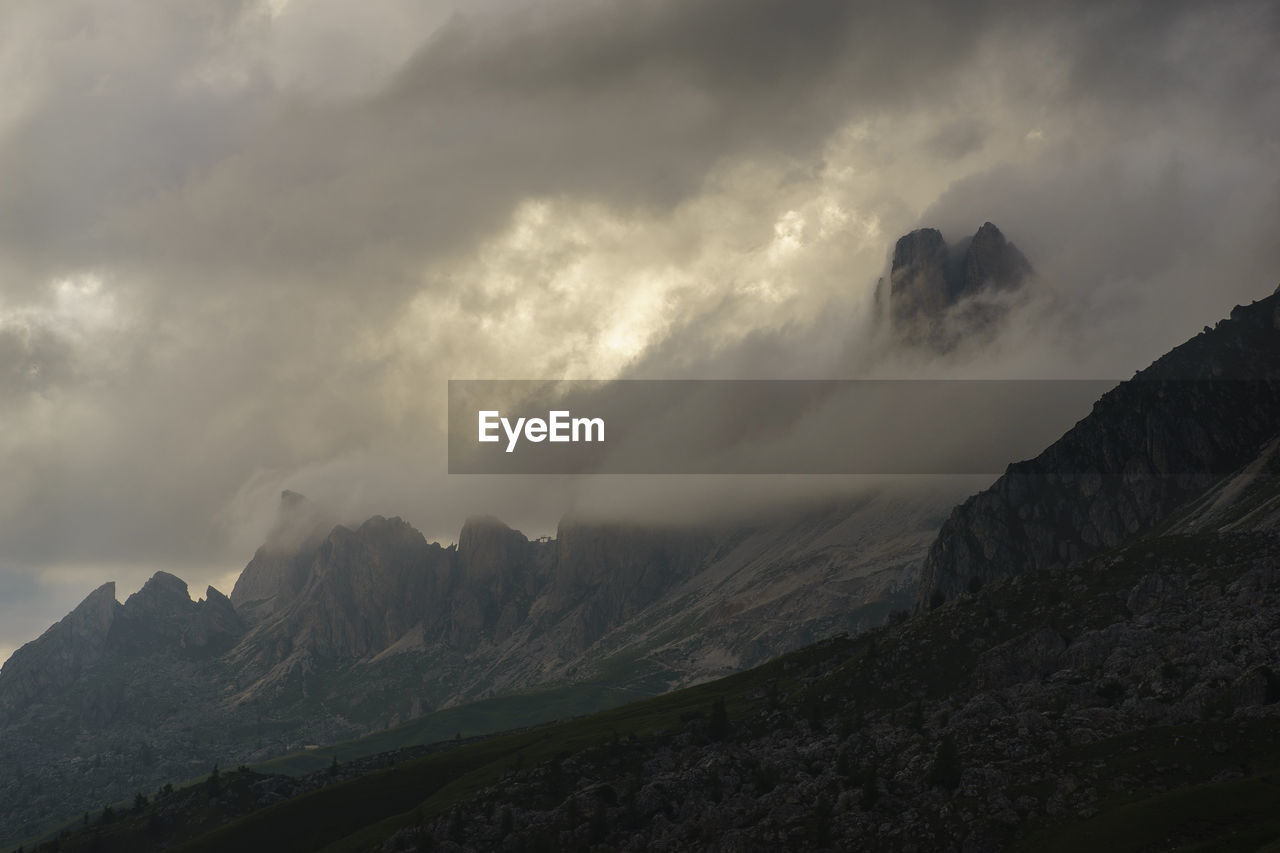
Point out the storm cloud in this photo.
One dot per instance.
(243, 245)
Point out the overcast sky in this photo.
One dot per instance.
(244, 244)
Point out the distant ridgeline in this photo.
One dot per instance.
(333, 632)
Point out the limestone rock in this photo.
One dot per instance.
(280, 568)
(1150, 446)
(936, 292)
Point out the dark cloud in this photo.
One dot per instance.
(243, 245)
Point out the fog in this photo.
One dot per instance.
(244, 245)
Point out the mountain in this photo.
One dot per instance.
(160, 616)
(280, 568)
(498, 612)
(336, 631)
(341, 633)
(1149, 446)
(1127, 703)
(1095, 634)
(1109, 681)
(939, 294)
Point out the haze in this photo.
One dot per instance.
(243, 245)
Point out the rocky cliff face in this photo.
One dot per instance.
(500, 612)
(367, 587)
(281, 567)
(1149, 446)
(939, 295)
(162, 616)
(62, 654)
(498, 576)
(607, 573)
(159, 619)
(991, 262)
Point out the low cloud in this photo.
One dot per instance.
(243, 245)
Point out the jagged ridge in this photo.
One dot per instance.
(1150, 445)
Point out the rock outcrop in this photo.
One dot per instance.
(606, 573)
(62, 654)
(1149, 446)
(162, 617)
(280, 568)
(499, 575)
(939, 294)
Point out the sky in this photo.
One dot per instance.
(243, 245)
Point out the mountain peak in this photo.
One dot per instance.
(100, 597)
(213, 594)
(992, 261)
(280, 567)
(920, 246)
(62, 653)
(163, 592)
(165, 581)
(481, 527)
(288, 497)
(486, 546)
(933, 287)
(299, 520)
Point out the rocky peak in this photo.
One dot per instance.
(299, 522)
(366, 589)
(62, 653)
(918, 285)
(992, 261)
(922, 247)
(163, 594)
(495, 568)
(218, 607)
(486, 547)
(216, 598)
(87, 626)
(94, 614)
(280, 568)
(375, 547)
(162, 619)
(934, 288)
(217, 625)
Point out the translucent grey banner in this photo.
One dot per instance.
(881, 427)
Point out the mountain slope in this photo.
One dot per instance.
(382, 627)
(1149, 446)
(1129, 704)
(1127, 700)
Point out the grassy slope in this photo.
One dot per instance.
(356, 814)
(503, 713)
